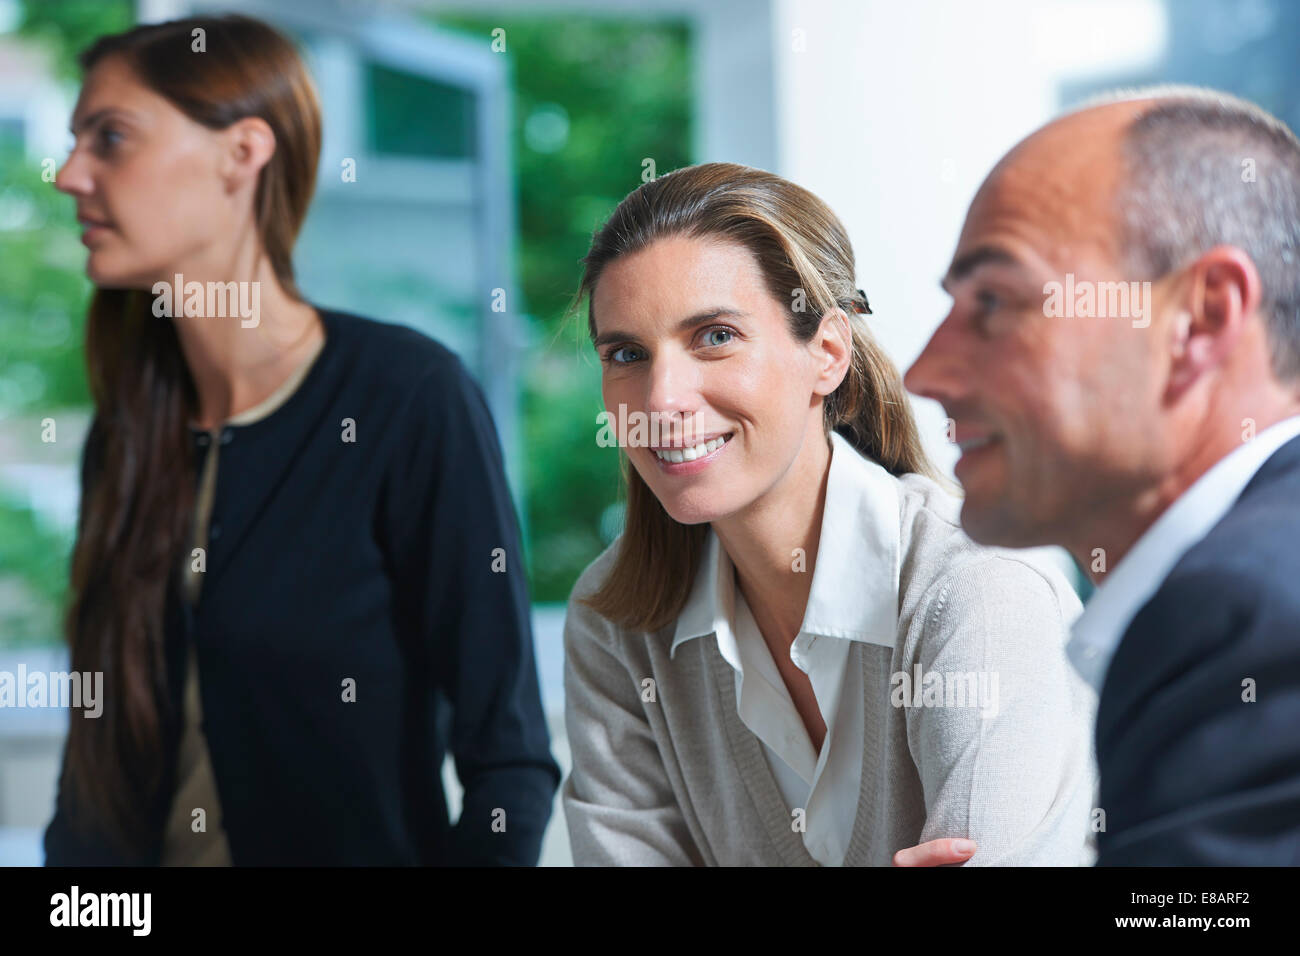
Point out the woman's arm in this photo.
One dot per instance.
(70, 842)
(461, 584)
(1011, 769)
(618, 803)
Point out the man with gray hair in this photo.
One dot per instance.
(1122, 367)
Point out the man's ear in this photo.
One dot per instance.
(1223, 291)
(833, 351)
(248, 145)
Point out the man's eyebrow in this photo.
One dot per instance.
(685, 325)
(968, 262)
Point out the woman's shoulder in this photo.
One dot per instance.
(594, 574)
(389, 351)
(940, 565)
(582, 619)
(589, 582)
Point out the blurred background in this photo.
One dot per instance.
(491, 138)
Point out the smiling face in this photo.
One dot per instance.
(1057, 416)
(147, 181)
(690, 337)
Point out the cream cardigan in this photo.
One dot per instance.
(676, 778)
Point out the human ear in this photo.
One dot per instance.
(248, 145)
(832, 350)
(1222, 292)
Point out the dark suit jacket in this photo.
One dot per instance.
(1191, 773)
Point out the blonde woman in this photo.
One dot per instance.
(793, 655)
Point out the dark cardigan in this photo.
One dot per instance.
(373, 560)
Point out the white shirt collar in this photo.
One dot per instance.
(856, 579)
(1131, 583)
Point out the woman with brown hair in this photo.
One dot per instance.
(792, 654)
(291, 642)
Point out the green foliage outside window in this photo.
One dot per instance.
(594, 99)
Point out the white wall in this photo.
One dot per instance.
(894, 113)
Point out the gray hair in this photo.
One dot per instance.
(1203, 169)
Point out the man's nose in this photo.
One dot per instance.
(938, 372)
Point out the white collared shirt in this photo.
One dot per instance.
(1137, 577)
(854, 597)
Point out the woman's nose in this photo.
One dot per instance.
(73, 176)
(674, 387)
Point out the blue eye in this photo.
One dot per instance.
(711, 332)
(613, 354)
(109, 137)
(988, 301)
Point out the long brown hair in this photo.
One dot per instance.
(136, 508)
(800, 245)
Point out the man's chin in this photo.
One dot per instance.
(996, 525)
